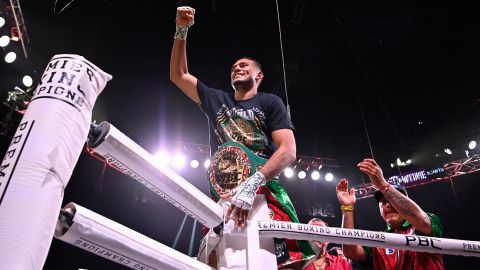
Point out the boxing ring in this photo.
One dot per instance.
(124, 154)
(45, 149)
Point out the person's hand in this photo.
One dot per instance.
(185, 16)
(238, 215)
(344, 196)
(374, 172)
(243, 197)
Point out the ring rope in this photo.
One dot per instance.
(106, 238)
(137, 163)
(298, 231)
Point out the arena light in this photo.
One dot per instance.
(27, 81)
(288, 172)
(178, 161)
(328, 177)
(399, 162)
(302, 174)
(10, 57)
(162, 158)
(206, 163)
(472, 145)
(194, 163)
(4, 41)
(315, 175)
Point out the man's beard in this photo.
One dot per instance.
(242, 84)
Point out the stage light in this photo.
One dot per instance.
(178, 161)
(447, 151)
(162, 158)
(409, 161)
(315, 175)
(328, 177)
(194, 163)
(302, 174)
(288, 172)
(27, 81)
(10, 57)
(2, 21)
(401, 163)
(206, 163)
(472, 145)
(4, 41)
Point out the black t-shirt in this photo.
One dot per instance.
(249, 122)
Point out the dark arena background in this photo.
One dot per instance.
(396, 80)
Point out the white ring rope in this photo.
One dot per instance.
(134, 161)
(111, 240)
(298, 231)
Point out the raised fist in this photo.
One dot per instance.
(185, 16)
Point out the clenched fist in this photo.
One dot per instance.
(185, 16)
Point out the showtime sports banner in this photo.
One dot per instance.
(417, 177)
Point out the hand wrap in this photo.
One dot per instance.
(181, 31)
(245, 193)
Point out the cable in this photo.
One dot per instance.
(364, 121)
(283, 61)
(55, 7)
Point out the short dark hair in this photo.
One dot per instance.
(379, 195)
(334, 250)
(259, 66)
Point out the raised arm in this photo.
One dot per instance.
(347, 199)
(179, 74)
(404, 205)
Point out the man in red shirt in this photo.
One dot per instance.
(324, 260)
(402, 215)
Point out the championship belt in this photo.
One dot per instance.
(230, 165)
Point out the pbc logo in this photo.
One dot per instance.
(389, 251)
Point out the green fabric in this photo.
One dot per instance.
(368, 257)
(437, 228)
(280, 194)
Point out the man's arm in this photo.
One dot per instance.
(404, 205)
(409, 210)
(179, 74)
(347, 199)
(353, 252)
(283, 156)
(242, 200)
